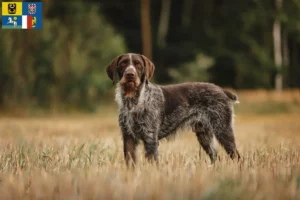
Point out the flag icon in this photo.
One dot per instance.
(22, 15)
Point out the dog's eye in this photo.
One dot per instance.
(124, 63)
(137, 64)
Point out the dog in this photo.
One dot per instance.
(150, 112)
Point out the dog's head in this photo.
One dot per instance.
(132, 69)
(12, 8)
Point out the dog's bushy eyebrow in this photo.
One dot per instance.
(137, 61)
(124, 60)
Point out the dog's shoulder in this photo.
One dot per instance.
(175, 95)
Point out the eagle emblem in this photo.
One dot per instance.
(31, 8)
(12, 8)
(33, 22)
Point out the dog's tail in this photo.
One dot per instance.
(231, 96)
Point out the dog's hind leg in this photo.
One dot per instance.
(206, 139)
(227, 140)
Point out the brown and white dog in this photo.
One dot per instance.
(150, 112)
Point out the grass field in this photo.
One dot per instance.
(80, 157)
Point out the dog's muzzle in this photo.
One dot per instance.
(130, 74)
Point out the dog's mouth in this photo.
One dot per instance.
(130, 83)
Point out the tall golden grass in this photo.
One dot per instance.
(80, 157)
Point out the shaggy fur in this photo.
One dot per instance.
(150, 112)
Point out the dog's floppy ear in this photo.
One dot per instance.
(112, 67)
(149, 67)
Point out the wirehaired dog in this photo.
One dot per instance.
(150, 112)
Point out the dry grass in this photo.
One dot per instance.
(80, 157)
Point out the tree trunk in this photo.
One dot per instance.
(187, 12)
(163, 23)
(277, 48)
(285, 59)
(146, 28)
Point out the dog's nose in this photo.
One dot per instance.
(129, 74)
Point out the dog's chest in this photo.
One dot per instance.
(134, 122)
(142, 115)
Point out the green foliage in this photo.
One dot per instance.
(193, 71)
(63, 62)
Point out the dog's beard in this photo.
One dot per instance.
(130, 87)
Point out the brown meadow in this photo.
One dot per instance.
(81, 157)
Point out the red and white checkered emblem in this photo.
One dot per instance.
(31, 8)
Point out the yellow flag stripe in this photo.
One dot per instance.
(18, 10)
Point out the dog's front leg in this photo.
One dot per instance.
(151, 145)
(130, 144)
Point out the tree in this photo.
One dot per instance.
(146, 28)
(277, 47)
(163, 23)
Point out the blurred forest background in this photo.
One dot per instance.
(238, 44)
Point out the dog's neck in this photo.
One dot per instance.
(133, 100)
